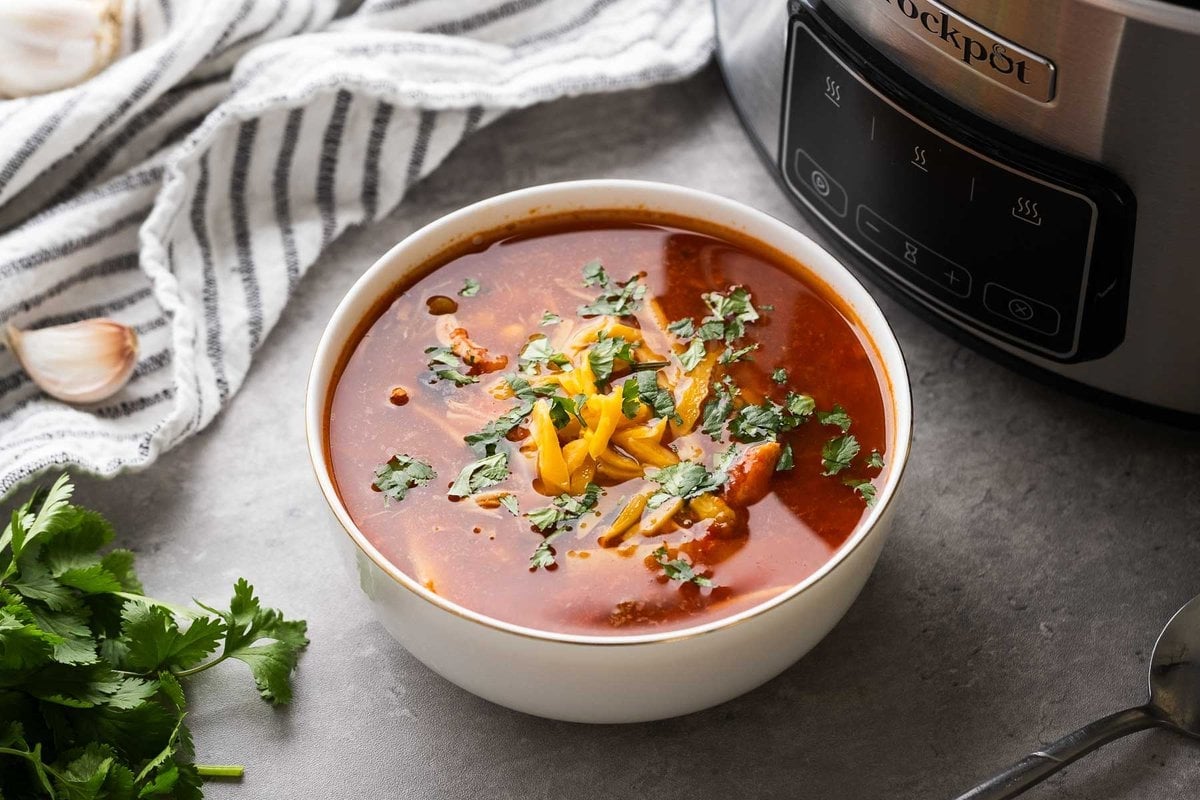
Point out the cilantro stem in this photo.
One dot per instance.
(34, 757)
(187, 673)
(220, 770)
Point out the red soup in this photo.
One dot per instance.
(615, 423)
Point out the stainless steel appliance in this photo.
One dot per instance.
(1027, 171)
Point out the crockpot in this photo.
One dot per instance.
(1025, 173)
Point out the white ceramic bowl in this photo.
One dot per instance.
(569, 676)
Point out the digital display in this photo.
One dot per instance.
(984, 242)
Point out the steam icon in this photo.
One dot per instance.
(1026, 210)
(832, 91)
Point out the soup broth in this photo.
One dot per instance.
(732, 413)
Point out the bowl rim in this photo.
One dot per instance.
(879, 334)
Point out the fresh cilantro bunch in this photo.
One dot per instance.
(92, 704)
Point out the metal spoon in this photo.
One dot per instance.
(1174, 703)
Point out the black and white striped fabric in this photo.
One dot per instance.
(187, 188)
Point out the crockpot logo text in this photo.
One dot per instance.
(971, 44)
(971, 50)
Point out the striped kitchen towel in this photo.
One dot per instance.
(188, 187)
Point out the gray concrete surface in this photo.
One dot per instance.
(1040, 545)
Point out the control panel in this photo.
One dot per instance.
(995, 234)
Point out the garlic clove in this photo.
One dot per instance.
(83, 362)
(48, 45)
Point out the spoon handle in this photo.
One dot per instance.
(1041, 764)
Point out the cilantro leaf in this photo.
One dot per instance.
(729, 315)
(564, 508)
(718, 408)
(630, 402)
(470, 288)
(787, 459)
(543, 554)
(758, 423)
(864, 488)
(617, 300)
(157, 643)
(550, 318)
(875, 460)
(780, 375)
(594, 274)
(401, 473)
(739, 354)
(837, 454)
(26, 526)
(480, 474)
(485, 440)
(683, 328)
(680, 570)
(509, 501)
(551, 520)
(799, 405)
(660, 399)
(837, 416)
(684, 480)
(522, 389)
(603, 355)
(447, 366)
(246, 624)
(693, 355)
(539, 352)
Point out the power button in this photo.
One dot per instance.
(818, 183)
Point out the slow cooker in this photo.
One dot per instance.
(1026, 172)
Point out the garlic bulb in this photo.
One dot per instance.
(82, 362)
(46, 45)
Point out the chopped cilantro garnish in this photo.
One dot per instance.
(594, 274)
(718, 408)
(837, 416)
(679, 570)
(786, 459)
(864, 488)
(758, 423)
(660, 400)
(605, 352)
(875, 461)
(447, 366)
(564, 508)
(550, 318)
(480, 474)
(780, 375)
(543, 555)
(693, 355)
(618, 300)
(551, 520)
(485, 440)
(799, 405)
(685, 480)
(741, 353)
(401, 473)
(729, 315)
(563, 408)
(522, 389)
(837, 454)
(470, 288)
(509, 501)
(629, 398)
(683, 328)
(538, 352)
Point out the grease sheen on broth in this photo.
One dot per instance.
(479, 557)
